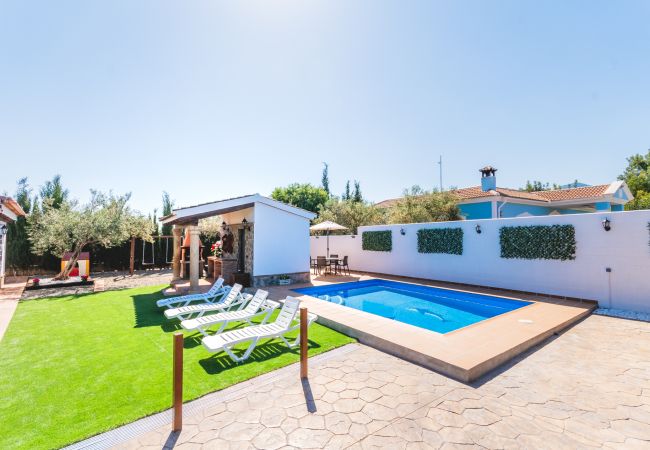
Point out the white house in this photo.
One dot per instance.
(10, 210)
(269, 238)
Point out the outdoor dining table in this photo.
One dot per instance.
(335, 262)
(331, 261)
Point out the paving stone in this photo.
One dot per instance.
(632, 428)
(289, 424)
(455, 435)
(359, 417)
(312, 422)
(303, 438)
(335, 386)
(382, 442)
(379, 412)
(240, 431)
(349, 405)
(270, 438)
(349, 393)
(337, 423)
(369, 395)
(358, 431)
(273, 417)
(339, 441)
(480, 416)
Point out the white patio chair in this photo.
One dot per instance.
(234, 300)
(284, 323)
(258, 306)
(216, 292)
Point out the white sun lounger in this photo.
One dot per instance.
(215, 293)
(285, 323)
(258, 306)
(234, 300)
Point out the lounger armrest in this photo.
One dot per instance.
(310, 318)
(270, 304)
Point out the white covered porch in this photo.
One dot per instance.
(266, 239)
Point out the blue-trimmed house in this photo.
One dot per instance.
(488, 201)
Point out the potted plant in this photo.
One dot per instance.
(36, 281)
(217, 250)
(284, 280)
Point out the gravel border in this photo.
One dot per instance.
(623, 314)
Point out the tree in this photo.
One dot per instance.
(351, 214)
(106, 221)
(420, 206)
(18, 245)
(346, 195)
(210, 228)
(325, 180)
(54, 190)
(641, 201)
(305, 196)
(537, 186)
(168, 207)
(637, 178)
(154, 222)
(356, 196)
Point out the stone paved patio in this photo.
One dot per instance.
(588, 388)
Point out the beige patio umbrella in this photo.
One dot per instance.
(328, 226)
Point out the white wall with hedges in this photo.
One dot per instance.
(624, 249)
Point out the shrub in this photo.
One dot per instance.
(441, 240)
(377, 241)
(538, 242)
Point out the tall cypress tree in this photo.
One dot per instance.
(168, 206)
(54, 189)
(325, 181)
(346, 195)
(19, 254)
(357, 197)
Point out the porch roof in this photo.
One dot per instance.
(191, 214)
(10, 209)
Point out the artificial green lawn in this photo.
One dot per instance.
(72, 367)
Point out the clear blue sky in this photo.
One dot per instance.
(210, 99)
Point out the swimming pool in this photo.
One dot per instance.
(439, 310)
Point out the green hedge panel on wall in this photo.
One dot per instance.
(377, 241)
(538, 242)
(441, 240)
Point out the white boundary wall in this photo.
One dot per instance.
(625, 249)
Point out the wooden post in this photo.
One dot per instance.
(177, 421)
(132, 258)
(303, 342)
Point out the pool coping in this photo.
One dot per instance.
(465, 354)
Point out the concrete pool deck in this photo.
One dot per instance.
(464, 354)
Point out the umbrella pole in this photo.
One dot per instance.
(328, 243)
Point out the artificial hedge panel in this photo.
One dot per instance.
(377, 241)
(441, 240)
(538, 242)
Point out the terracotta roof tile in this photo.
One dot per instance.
(477, 192)
(473, 192)
(574, 193)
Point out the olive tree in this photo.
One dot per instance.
(106, 221)
(350, 213)
(418, 206)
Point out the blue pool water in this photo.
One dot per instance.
(440, 310)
